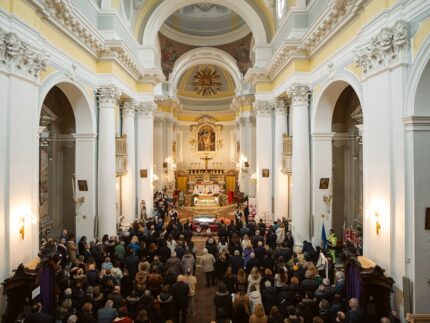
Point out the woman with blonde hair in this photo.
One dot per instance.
(254, 279)
(246, 241)
(258, 316)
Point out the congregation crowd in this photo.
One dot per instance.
(147, 274)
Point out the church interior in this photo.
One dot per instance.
(313, 113)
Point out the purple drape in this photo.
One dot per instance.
(47, 281)
(353, 281)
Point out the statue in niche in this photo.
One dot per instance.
(206, 138)
(242, 57)
(143, 215)
(168, 58)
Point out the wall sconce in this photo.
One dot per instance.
(154, 178)
(254, 178)
(375, 215)
(23, 220)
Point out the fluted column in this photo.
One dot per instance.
(264, 159)
(280, 177)
(300, 204)
(129, 180)
(158, 150)
(108, 97)
(146, 153)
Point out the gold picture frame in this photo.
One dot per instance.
(265, 172)
(143, 173)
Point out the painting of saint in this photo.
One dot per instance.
(206, 138)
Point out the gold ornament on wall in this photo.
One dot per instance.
(206, 82)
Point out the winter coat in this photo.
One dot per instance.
(223, 300)
(207, 262)
(254, 299)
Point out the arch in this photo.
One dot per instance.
(205, 55)
(166, 8)
(421, 63)
(326, 102)
(78, 98)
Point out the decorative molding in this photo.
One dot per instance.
(417, 123)
(336, 15)
(128, 108)
(299, 94)
(263, 108)
(67, 17)
(147, 109)
(282, 105)
(385, 49)
(158, 122)
(252, 120)
(108, 95)
(19, 56)
(254, 75)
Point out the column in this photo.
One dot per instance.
(108, 97)
(244, 153)
(300, 204)
(264, 159)
(158, 151)
(167, 151)
(129, 180)
(279, 174)
(252, 154)
(146, 154)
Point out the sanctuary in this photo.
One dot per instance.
(316, 111)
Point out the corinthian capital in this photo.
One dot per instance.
(129, 108)
(263, 108)
(282, 105)
(147, 109)
(108, 95)
(298, 93)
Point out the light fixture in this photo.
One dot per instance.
(23, 220)
(375, 216)
(254, 178)
(154, 178)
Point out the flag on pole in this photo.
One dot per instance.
(323, 238)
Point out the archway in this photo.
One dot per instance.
(417, 159)
(337, 155)
(68, 153)
(347, 163)
(57, 152)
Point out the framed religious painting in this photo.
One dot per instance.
(143, 173)
(82, 185)
(324, 182)
(265, 172)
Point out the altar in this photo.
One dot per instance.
(206, 187)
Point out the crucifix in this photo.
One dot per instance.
(206, 159)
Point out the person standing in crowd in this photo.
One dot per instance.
(208, 264)
(332, 244)
(238, 214)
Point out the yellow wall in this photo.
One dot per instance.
(194, 118)
(420, 36)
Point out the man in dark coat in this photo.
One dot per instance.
(268, 295)
(236, 261)
(180, 291)
(131, 262)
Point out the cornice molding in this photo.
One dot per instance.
(336, 15)
(64, 15)
(18, 56)
(387, 48)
